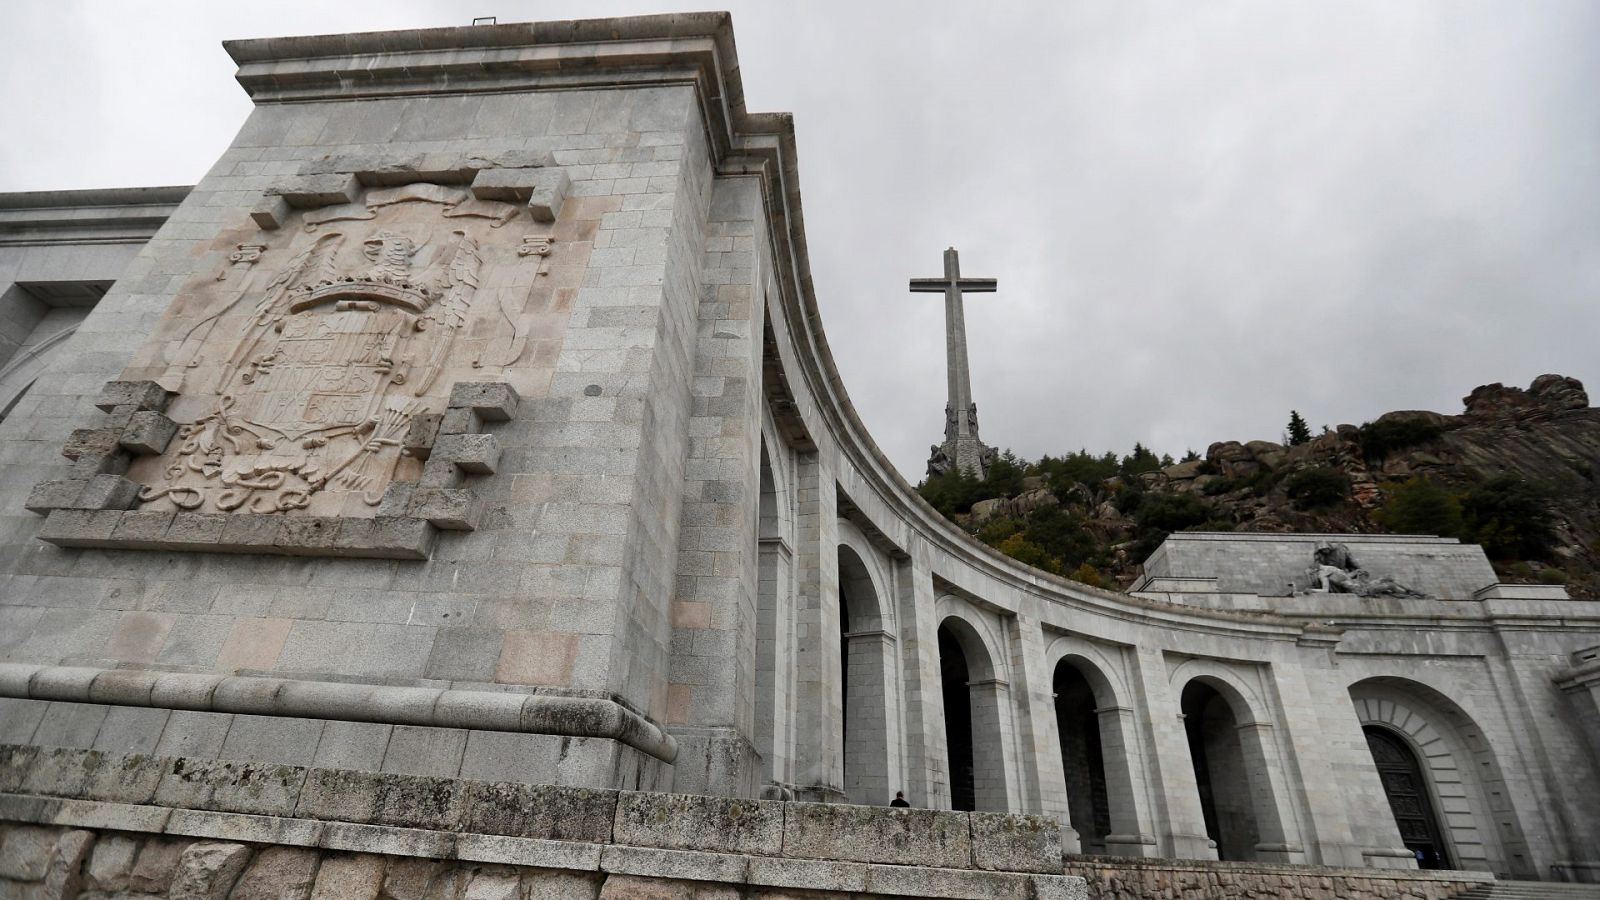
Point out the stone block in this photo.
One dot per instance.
(110, 862)
(547, 199)
(130, 778)
(407, 878)
(420, 435)
(474, 454)
(401, 537)
(232, 533)
(157, 864)
(1016, 843)
(143, 529)
(231, 786)
(85, 443)
(64, 876)
(282, 873)
(16, 761)
(459, 420)
(56, 494)
(79, 527)
(492, 401)
(543, 811)
(108, 492)
(148, 433)
(192, 528)
(270, 213)
(25, 852)
(633, 887)
(506, 184)
(140, 395)
(396, 498)
(355, 876)
(405, 801)
(905, 837)
(494, 886)
(307, 534)
(452, 509)
(694, 822)
(207, 870)
(312, 191)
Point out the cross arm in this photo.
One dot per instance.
(966, 285)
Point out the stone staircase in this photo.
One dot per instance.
(1531, 890)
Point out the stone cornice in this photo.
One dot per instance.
(113, 215)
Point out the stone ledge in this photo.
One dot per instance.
(681, 832)
(704, 868)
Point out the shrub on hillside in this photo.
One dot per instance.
(1418, 506)
(1379, 439)
(1318, 486)
(1508, 516)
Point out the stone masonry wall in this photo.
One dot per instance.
(1110, 878)
(88, 824)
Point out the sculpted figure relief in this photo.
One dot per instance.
(1334, 571)
(312, 392)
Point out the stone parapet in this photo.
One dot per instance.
(210, 822)
(1119, 878)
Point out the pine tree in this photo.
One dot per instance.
(1299, 431)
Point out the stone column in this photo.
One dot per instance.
(1272, 803)
(927, 780)
(871, 768)
(1039, 736)
(818, 720)
(994, 765)
(1131, 831)
(1180, 823)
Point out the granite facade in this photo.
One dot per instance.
(662, 553)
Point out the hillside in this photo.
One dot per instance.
(1517, 471)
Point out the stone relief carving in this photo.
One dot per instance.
(1334, 571)
(321, 381)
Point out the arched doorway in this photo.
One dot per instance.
(1407, 790)
(953, 675)
(1476, 825)
(1082, 757)
(865, 653)
(1220, 771)
(977, 718)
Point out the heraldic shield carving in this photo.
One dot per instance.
(316, 374)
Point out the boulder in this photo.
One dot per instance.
(1548, 394)
(1183, 471)
(984, 510)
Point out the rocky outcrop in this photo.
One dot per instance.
(1546, 434)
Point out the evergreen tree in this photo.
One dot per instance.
(1299, 431)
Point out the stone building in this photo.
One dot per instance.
(460, 465)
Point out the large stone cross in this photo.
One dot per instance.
(961, 448)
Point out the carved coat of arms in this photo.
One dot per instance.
(326, 373)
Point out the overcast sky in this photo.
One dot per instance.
(1201, 215)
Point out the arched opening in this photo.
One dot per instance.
(1082, 757)
(1409, 800)
(1475, 823)
(864, 651)
(957, 719)
(1220, 772)
(976, 718)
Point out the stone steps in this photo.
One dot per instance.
(1531, 890)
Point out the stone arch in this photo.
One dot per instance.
(1244, 797)
(19, 374)
(977, 713)
(1479, 826)
(1101, 757)
(867, 662)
